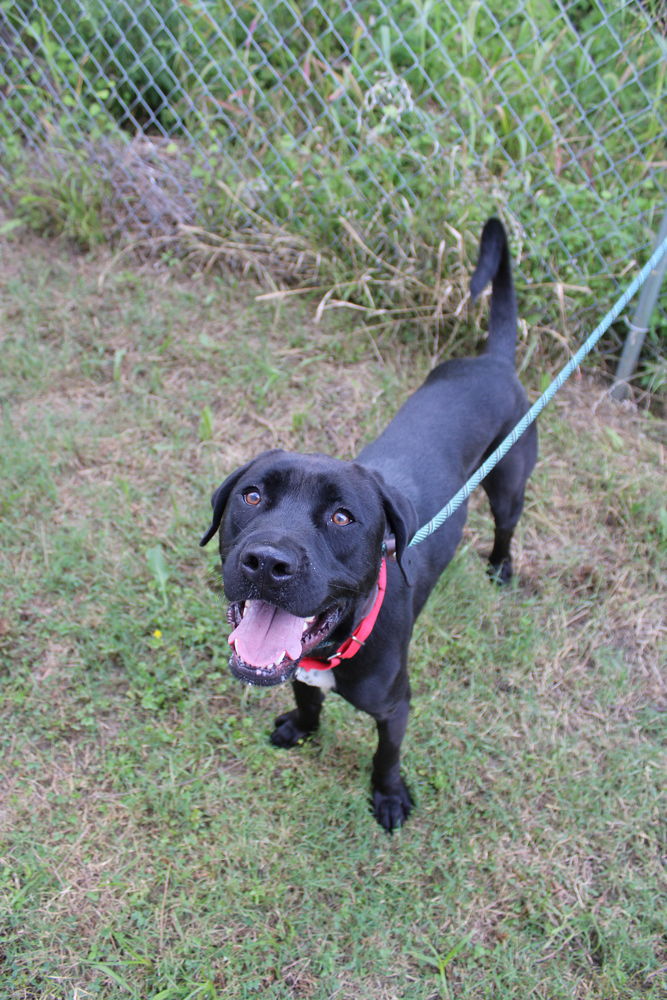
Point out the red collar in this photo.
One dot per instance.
(353, 643)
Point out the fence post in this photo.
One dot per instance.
(639, 324)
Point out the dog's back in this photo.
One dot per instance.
(447, 426)
(458, 416)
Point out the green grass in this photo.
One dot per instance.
(152, 843)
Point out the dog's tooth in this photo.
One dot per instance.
(307, 622)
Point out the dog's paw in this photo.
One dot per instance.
(391, 811)
(500, 573)
(288, 733)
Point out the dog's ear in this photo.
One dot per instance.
(221, 496)
(401, 521)
(219, 501)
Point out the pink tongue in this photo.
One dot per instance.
(265, 634)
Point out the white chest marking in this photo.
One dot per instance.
(317, 678)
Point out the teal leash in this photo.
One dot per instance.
(544, 399)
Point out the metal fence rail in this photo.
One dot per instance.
(388, 115)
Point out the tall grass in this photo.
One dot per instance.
(364, 129)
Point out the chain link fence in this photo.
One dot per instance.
(370, 132)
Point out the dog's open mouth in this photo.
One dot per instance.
(268, 642)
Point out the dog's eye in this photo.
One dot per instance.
(341, 517)
(252, 497)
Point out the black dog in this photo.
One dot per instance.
(304, 540)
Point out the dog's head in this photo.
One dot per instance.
(301, 540)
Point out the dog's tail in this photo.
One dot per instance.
(494, 265)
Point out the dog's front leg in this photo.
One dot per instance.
(391, 799)
(293, 727)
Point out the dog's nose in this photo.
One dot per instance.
(267, 565)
